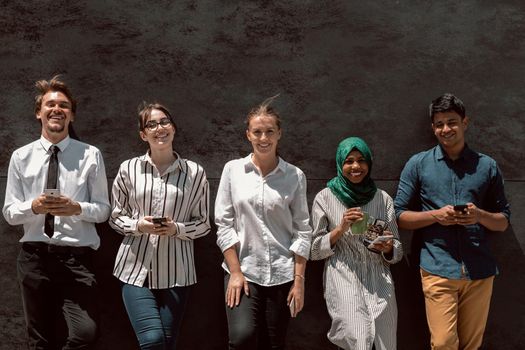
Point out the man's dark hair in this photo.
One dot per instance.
(55, 84)
(446, 103)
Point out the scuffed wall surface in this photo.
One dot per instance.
(341, 68)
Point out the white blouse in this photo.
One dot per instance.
(266, 218)
(181, 193)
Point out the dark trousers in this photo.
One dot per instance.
(155, 314)
(57, 285)
(261, 319)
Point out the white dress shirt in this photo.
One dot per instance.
(82, 177)
(266, 218)
(181, 193)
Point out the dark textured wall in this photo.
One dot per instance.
(341, 67)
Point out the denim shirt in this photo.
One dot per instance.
(431, 180)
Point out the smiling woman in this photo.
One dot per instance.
(158, 132)
(264, 135)
(264, 233)
(159, 219)
(356, 278)
(355, 167)
(263, 130)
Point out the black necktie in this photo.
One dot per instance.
(52, 179)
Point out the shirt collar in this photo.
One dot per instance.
(249, 166)
(62, 145)
(176, 164)
(465, 154)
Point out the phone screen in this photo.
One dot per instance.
(292, 307)
(52, 192)
(159, 221)
(460, 207)
(383, 239)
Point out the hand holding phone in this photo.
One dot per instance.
(52, 192)
(462, 208)
(159, 221)
(380, 239)
(292, 307)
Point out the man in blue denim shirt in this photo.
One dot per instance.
(450, 195)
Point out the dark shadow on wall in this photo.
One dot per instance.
(412, 329)
(12, 330)
(507, 310)
(308, 331)
(115, 329)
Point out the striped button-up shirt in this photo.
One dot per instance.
(358, 287)
(182, 193)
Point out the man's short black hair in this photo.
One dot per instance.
(446, 103)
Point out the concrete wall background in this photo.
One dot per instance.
(342, 68)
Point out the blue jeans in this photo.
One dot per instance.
(155, 314)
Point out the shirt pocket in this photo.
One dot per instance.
(275, 199)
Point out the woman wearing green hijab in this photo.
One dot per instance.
(358, 286)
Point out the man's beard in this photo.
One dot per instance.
(55, 128)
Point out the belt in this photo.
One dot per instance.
(42, 247)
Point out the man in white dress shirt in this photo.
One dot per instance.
(56, 189)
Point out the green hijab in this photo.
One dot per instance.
(352, 195)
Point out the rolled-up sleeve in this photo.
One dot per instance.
(225, 213)
(407, 189)
(199, 224)
(397, 249)
(302, 232)
(496, 201)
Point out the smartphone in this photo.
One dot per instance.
(52, 192)
(159, 221)
(382, 239)
(292, 307)
(460, 207)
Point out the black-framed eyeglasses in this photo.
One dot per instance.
(152, 125)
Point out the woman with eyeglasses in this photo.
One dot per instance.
(160, 205)
(263, 230)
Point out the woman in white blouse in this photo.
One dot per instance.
(160, 205)
(263, 231)
(358, 286)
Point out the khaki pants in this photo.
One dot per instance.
(457, 311)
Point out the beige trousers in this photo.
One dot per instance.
(457, 311)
